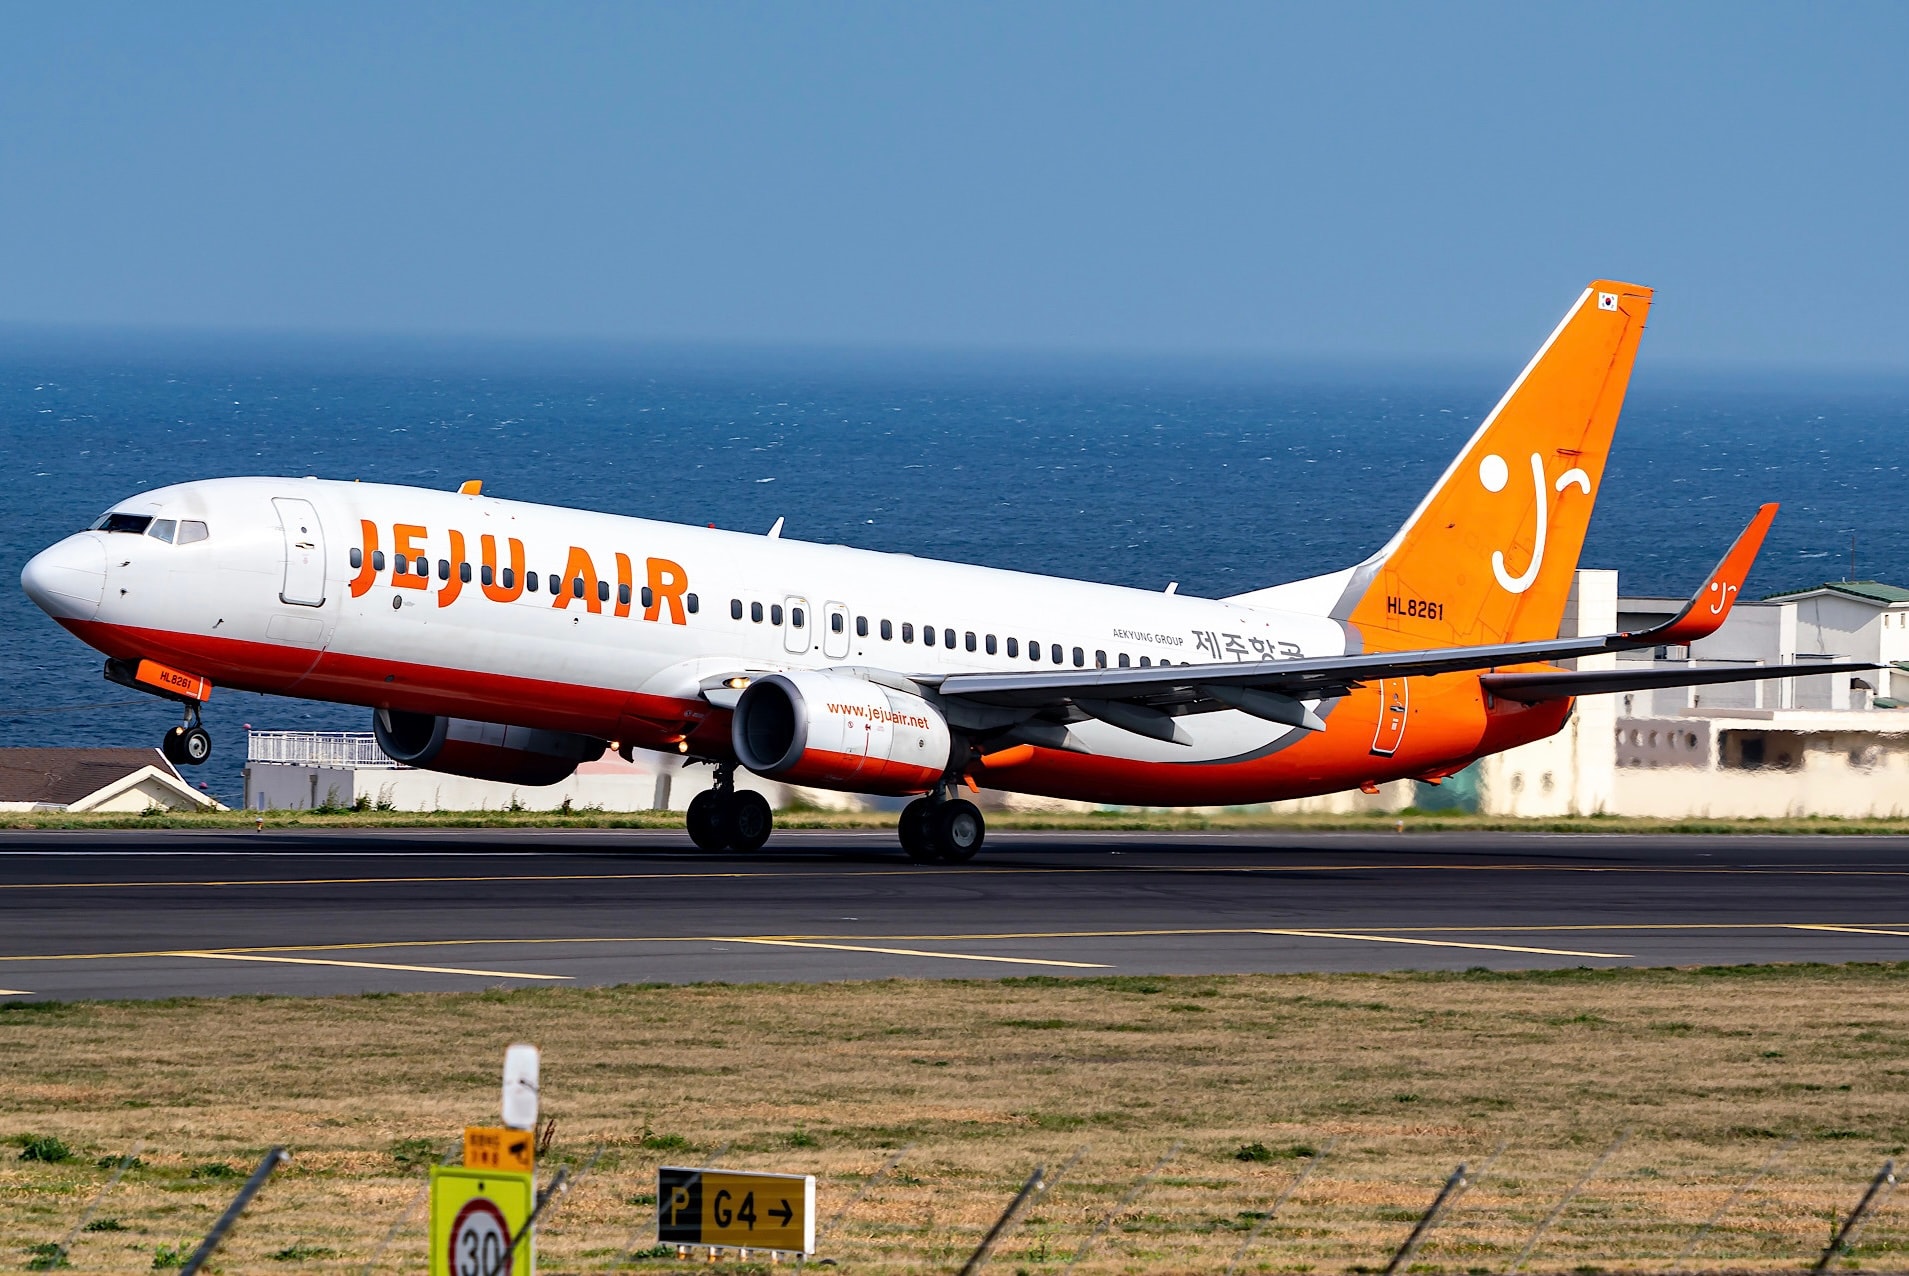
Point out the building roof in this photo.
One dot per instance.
(1869, 591)
(58, 777)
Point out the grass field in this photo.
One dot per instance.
(1133, 819)
(1401, 1075)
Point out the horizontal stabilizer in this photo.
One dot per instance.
(1530, 688)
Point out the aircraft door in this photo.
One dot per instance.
(796, 623)
(1393, 708)
(834, 630)
(304, 552)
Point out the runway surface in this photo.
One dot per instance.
(168, 913)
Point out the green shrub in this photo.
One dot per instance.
(44, 1147)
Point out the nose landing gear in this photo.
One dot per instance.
(189, 743)
(938, 829)
(725, 818)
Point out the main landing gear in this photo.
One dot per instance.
(189, 743)
(938, 829)
(726, 818)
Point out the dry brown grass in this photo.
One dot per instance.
(1409, 1073)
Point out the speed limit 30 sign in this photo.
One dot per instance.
(474, 1215)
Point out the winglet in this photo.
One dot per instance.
(1710, 606)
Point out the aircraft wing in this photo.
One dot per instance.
(1145, 700)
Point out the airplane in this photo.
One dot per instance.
(510, 641)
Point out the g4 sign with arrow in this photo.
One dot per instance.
(749, 1211)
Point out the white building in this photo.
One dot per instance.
(123, 781)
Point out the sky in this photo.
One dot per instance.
(1395, 182)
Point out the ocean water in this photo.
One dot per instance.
(1224, 477)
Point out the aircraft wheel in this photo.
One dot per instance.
(705, 821)
(958, 831)
(750, 821)
(914, 830)
(197, 745)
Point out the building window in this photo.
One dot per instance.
(990, 644)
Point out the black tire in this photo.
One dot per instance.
(174, 745)
(914, 830)
(705, 821)
(750, 821)
(196, 744)
(957, 831)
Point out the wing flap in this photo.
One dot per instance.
(1563, 684)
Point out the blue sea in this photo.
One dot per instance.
(1223, 476)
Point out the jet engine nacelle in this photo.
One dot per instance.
(482, 750)
(837, 731)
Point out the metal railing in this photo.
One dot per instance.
(357, 749)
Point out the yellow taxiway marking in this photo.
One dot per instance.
(918, 952)
(358, 965)
(1439, 943)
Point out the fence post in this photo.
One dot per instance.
(1453, 1186)
(1884, 1180)
(273, 1159)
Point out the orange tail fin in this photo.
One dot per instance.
(1489, 555)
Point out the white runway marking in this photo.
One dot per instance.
(918, 952)
(1441, 943)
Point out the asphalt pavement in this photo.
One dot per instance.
(164, 913)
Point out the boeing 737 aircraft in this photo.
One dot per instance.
(510, 641)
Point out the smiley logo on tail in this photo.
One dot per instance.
(1495, 474)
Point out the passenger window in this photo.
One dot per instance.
(927, 635)
(795, 617)
(377, 560)
(464, 573)
(603, 590)
(622, 595)
(1033, 649)
(1080, 658)
(443, 569)
(755, 612)
(1146, 661)
(838, 623)
(861, 626)
(692, 604)
(531, 580)
(487, 576)
(1100, 660)
(888, 631)
(576, 587)
(648, 597)
(991, 644)
(947, 640)
(556, 584)
(357, 557)
(775, 613)
(510, 577)
(162, 529)
(735, 609)
(1055, 653)
(1014, 646)
(190, 532)
(1123, 660)
(907, 631)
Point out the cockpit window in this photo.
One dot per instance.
(162, 529)
(189, 531)
(134, 523)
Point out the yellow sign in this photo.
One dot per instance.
(475, 1214)
(749, 1211)
(488, 1147)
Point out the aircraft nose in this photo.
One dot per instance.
(67, 580)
